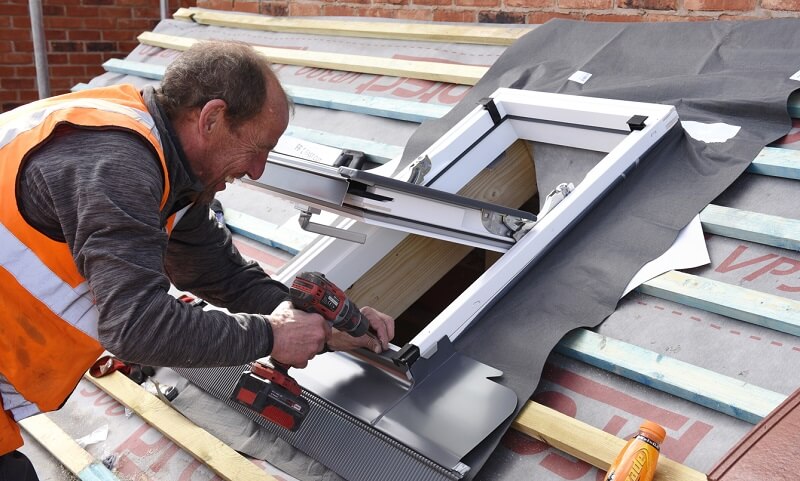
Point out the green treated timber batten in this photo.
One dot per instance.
(713, 390)
(777, 162)
(138, 69)
(258, 230)
(96, 472)
(751, 226)
(748, 305)
(365, 104)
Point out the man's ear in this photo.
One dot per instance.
(211, 116)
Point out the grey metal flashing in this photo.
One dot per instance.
(383, 458)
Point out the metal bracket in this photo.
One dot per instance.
(517, 227)
(305, 223)
(558, 194)
(419, 168)
(550, 202)
(503, 224)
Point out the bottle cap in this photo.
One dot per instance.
(653, 431)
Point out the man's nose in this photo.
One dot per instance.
(257, 167)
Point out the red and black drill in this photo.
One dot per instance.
(266, 387)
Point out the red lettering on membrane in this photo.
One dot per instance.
(104, 400)
(304, 71)
(772, 268)
(138, 446)
(168, 454)
(608, 395)
(127, 469)
(779, 266)
(728, 264)
(678, 449)
(453, 94)
(115, 410)
(373, 84)
(418, 88)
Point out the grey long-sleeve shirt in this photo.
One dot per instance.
(99, 191)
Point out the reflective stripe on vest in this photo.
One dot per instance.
(14, 402)
(74, 305)
(121, 107)
(48, 319)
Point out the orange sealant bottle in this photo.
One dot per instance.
(637, 460)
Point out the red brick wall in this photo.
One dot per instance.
(80, 35)
(521, 11)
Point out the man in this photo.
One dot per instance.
(104, 202)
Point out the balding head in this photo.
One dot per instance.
(230, 71)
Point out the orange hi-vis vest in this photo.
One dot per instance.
(48, 321)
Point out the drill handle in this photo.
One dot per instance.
(313, 292)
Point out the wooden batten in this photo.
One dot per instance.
(218, 456)
(434, 71)
(588, 443)
(430, 32)
(65, 449)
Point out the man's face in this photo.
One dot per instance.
(234, 153)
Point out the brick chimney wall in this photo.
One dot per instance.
(82, 34)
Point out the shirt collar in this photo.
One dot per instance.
(183, 180)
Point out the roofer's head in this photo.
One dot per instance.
(231, 71)
(228, 109)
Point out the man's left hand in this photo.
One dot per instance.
(380, 324)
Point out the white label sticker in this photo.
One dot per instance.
(580, 77)
(796, 76)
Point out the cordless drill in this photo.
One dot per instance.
(266, 386)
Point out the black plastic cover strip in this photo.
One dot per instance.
(428, 192)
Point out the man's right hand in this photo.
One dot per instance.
(297, 336)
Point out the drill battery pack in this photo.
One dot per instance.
(272, 394)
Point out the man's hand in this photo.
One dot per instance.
(381, 324)
(297, 336)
